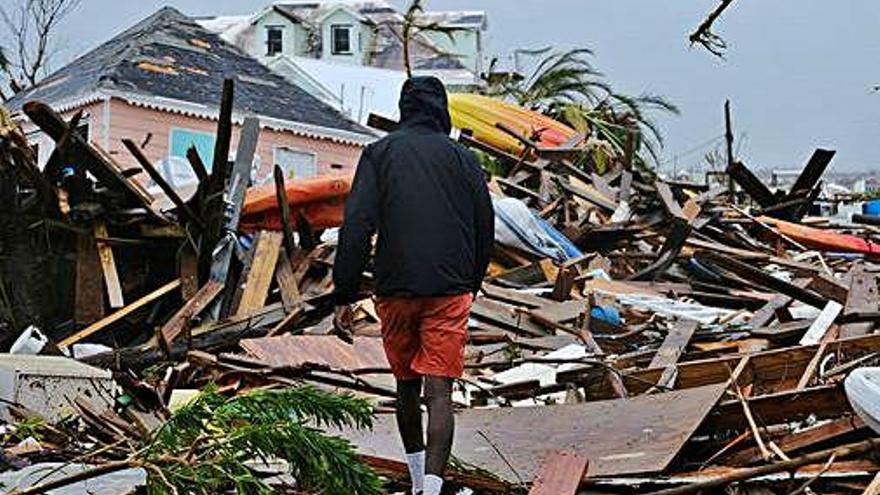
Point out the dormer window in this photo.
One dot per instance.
(274, 40)
(340, 38)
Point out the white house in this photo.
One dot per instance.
(361, 33)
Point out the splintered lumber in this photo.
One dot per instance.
(751, 184)
(108, 267)
(764, 279)
(783, 466)
(180, 321)
(214, 336)
(862, 298)
(118, 315)
(183, 208)
(247, 146)
(622, 436)
(560, 474)
(767, 312)
(795, 442)
(672, 348)
(89, 296)
(260, 273)
(99, 163)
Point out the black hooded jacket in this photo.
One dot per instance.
(426, 196)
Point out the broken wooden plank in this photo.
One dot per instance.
(284, 207)
(795, 442)
(108, 267)
(811, 174)
(183, 209)
(862, 298)
(180, 321)
(671, 350)
(287, 283)
(762, 278)
(822, 323)
(259, 276)
(767, 313)
(560, 474)
(752, 185)
(118, 315)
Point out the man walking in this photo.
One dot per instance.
(427, 199)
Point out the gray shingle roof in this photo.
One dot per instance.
(169, 55)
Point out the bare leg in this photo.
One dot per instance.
(409, 415)
(441, 424)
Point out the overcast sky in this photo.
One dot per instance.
(799, 72)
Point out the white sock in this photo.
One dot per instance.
(433, 484)
(416, 464)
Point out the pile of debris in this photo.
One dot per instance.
(635, 334)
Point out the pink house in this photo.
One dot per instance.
(159, 83)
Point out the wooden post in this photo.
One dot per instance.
(728, 137)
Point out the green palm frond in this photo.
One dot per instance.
(568, 87)
(208, 445)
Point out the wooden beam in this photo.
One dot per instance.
(88, 305)
(287, 283)
(108, 267)
(284, 208)
(258, 278)
(118, 315)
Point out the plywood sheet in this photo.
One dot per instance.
(624, 436)
(318, 350)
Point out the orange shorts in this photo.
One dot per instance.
(425, 335)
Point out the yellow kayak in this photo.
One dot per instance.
(479, 114)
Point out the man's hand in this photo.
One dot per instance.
(343, 323)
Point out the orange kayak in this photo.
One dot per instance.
(319, 200)
(823, 240)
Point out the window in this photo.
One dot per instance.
(341, 39)
(176, 168)
(274, 40)
(296, 164)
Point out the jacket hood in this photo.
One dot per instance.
(423, 102)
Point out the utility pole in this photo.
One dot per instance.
(728, 136)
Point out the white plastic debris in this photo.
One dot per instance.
(31, 342)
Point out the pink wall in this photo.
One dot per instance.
(135, 123)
